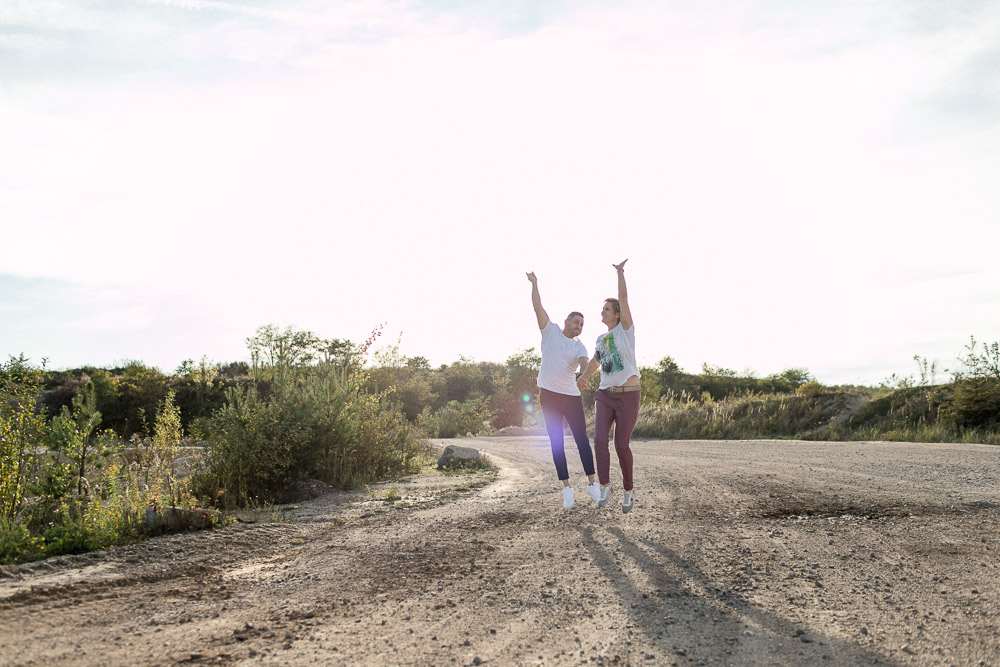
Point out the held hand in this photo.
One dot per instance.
(531, 278)
(620, 267)
(582, 384)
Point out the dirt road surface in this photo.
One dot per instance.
(737, 553)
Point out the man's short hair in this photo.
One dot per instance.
(615, 304)
(570, 316)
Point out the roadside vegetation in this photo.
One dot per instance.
(721, 404)
(93, 457)
(97, 457)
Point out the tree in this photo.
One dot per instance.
(71, 432)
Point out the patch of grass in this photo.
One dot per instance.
(736, 417)
(483, 463)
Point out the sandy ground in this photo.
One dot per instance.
(737, 553)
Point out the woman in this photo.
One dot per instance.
(617, 400)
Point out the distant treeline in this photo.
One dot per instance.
(454, 399)
(467, 396)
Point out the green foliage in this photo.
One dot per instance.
(975, 404)
(976, 400)
(457, 419)
(813, 412)
(127, 397)
(981, 364)
(141, 389)
(907, 406)
(456, 399)
(70, 435)
(811, 389)
(650, 388)
(21, 429)
(386, 443)
(667, 378)
(112, 514)
(161, 455)
(309, 407)
(247, 459)
(17, 542)
(511, 382)
(736, 417)
(88, 491)
(307, 413)
(199, 389)
(409, 380)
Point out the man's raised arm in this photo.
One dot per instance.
(536, 302)
(626, 314)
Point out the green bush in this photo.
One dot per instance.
(88, 491)
(316, 420)
(811, 390)
(70, 435)
(976, 400)
(22, 428)
(459, 419)
(975, 404)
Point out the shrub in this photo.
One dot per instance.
(975, 404)
(458, 419)
(811, 389)
(21, 429)
(70, 435)
(316, 419)
(250, 456)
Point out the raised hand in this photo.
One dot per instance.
(626, 313)
(536, 302)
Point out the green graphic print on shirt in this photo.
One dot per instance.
(608, 356)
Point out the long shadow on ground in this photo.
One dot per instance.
(678, 619)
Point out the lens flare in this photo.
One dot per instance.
(526, 398)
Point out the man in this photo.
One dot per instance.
(562, 355)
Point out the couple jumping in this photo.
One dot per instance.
(617, 400)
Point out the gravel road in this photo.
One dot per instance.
(737, 553)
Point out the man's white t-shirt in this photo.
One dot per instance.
(615, 353)
(560, 359)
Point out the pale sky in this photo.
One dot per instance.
(794, 182)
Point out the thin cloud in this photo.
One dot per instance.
(969, 95)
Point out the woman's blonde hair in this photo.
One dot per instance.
(615, 304)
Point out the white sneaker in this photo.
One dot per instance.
(628, 501)
(594, 491)
(568, 496)
(605, 496)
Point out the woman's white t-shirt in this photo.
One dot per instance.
(560, 359)
(615, 353)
